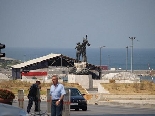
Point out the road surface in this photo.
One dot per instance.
(102, 110)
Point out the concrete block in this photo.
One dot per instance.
(101, 89)
(84, 80)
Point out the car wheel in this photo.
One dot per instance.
(76, 109)
(84, 109)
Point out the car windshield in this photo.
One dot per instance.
(75, 92)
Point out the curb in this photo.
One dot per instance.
(129, 104)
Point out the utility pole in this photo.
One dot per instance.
(127, 58)
(100, 72)
(101, 55)
(132, 38)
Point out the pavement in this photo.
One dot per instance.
(129, 103)
(141, 101)
(103, 108)
(114, 102)
(134, 101)
(96, 110)
(43, 108)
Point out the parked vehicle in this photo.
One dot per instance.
(9, 110)
(77, 100)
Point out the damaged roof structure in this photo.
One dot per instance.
(45, 62)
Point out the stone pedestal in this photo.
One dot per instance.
(80, 66)
(84, 80)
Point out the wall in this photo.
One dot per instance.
(84, 80)
(96, 82)
(101, 89)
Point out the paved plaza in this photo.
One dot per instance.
(101, 110)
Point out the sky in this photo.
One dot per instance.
(63, 23)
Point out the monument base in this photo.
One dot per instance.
(84, 80)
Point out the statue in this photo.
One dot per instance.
(82, 68)
(78, 51)
(81, 50)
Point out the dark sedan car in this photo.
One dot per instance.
(77, 100)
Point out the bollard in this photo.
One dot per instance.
(21, 98)
(38, 96)
(66, 103)
(48, 101)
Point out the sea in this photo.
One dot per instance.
(119, 58)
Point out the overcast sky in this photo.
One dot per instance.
(63, 23)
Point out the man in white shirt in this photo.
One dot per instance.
(57, 93)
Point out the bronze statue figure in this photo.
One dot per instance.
(81, 49)
(84, 44)
(78, 51)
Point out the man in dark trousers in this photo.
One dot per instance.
(57, 93)
(32, 96)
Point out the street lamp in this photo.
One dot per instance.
(132, 38)
(109, 61)
(100, 55)
(127, 58)
(24, 57)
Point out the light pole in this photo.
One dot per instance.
(127, 58)
(24, 57)
(101, 55)
(132, 38)
(109, 61)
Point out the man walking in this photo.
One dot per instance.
(32, 96)
(57, 93)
